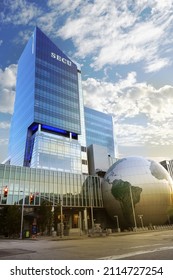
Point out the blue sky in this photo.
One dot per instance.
(125, 49)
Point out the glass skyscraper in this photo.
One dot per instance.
(100, 130)
(47, 157)
(48, 128)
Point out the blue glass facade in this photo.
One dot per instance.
(99, 130)
(56, 87)
(47, 114)
(23, 115)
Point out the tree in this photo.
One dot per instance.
(3, 211)
(10, 220)
(45, 216)
(121, 191)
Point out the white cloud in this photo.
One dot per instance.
(109, 32)
(120, 33)
(143, 115)
(64, 6)
(156, 64)
(23, 36)
(46, 21)
(4, 141)
(7, 88)
(19, 12)
(4, 125)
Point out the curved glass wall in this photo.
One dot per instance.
(72, 190)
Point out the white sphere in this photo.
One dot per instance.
(137, 190)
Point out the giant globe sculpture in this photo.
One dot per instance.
(138, 191)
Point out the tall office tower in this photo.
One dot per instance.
(101, 141)
(48, 128)
(100, 130)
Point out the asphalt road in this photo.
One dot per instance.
(151, 245)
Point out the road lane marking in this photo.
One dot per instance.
(142, 246)
(116, 257)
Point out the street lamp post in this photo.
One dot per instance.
(62, 231)
(168, 219)
(118, 227)
(92, 218)
(133, 209)
(92, 205)
(141, 219)
(110, 160)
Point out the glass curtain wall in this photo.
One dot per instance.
(99, 130)
(72, 190)
(47, 120)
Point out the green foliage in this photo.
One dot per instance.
(3, 211)
(121, 191)
(10, 218)
(56, 217)
(45, 216)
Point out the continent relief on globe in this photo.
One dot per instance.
(121, 192)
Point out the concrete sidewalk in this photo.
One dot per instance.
(77, 236)
(101, 235)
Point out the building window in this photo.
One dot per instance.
(83, 149)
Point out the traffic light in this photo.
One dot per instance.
(31, 198)
(5, 191)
